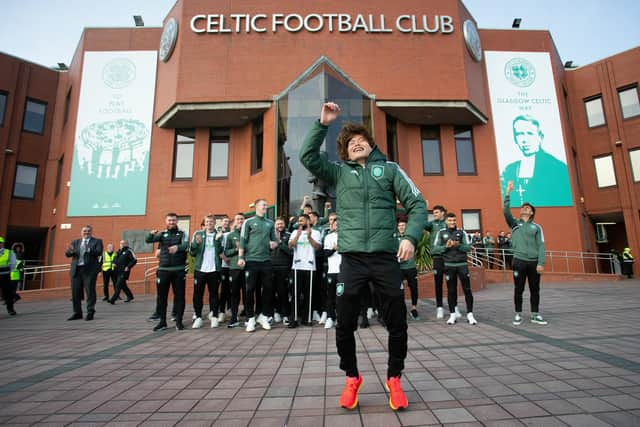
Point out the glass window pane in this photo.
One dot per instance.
(34, 117)
(219, 160)
(595, 113)
(471, 220)
(25, 184)
(629, 102)
(464, 152)
(184, 222)
(3, 106)
(605, 173)
(431, 156)
(184, 161)
(634, 155)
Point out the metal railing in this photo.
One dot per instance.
(555, 262)
(57, 276)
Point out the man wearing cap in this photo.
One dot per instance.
(85, 254)
(527, 243)
(7, 264)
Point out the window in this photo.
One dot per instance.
(392, 138)
(59, 176)
(629, 103)
(34, 113)
(464, 151)
(471, 220)
(25, 183)
(183, 154)
(595, 113)
(605, 173)
(634, 155)
(3, 106)
(257, 147)
(67, 103)
(184, 223)
(218, 153)
(431, 152)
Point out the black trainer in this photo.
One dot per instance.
(160, 326)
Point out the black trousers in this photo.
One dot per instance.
(523, 271)
(259, 276)
(317, 299)
(176, 280)
(281, 280)
(8, 293)
(383, 271)
(225, 290)
(330, 300)
(438, 275)
(212, 282)
(301, 284)
(236, 282)
(107, 276)
(121, 286)
(83, 283)
(411, 276)
(452, 274)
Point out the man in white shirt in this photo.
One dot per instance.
(304, 241)
(206, 247)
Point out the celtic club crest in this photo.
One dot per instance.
(377, 171)
(168, 39)
(119, 73)
(339, 289)
(520, 72)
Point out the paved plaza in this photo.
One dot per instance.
(583, 369)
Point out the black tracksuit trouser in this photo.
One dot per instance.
(259, 280)
(330, 299)
(176, 280)
(523, 271)
(452, 274)
(383, 271)
(236, 282)
(438, 275)
(211, 281)
(281, 279)
(411, 276)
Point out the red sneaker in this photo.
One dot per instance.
(397, 398)
(349, 397)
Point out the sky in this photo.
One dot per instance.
(47, 31)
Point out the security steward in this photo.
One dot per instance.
(7, 265)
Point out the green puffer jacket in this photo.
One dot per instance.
(527, 239)
(433, 227)
(366, 197)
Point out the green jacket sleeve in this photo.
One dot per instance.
(230, 249)
(411, 199)
(541, 249)
(438, 247)
(311, 158)
(152, 238)
(195, 248)
(511, 221)
(465, 245)
(428, 226)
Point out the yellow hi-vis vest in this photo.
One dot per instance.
(107, 261)
(17, 273)
(4, 259)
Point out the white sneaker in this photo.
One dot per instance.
(536, 318)
(369, 313)
(458, 314)
(440, 313)
(221, 317)
(264, 322)
(251, 324)
(517, 319)
(329, 323)
(277, 318)
(194, 317)
(197, 323)
(285, 321)
(214, 322)
(316, 316)
(210, 315)
(472, 320)
(323, 318)
(452, 319)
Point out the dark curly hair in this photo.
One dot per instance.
(346, 133)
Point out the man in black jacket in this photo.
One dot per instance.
(171, 269)
(85, 254)
(123, 263)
